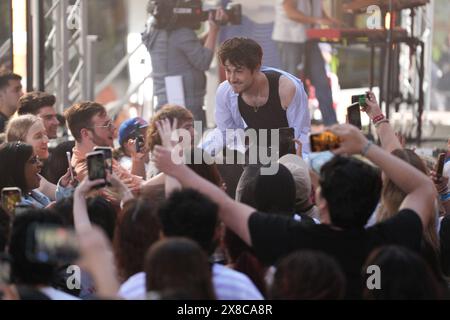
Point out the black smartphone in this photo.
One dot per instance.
(108, 153)
(354, 115)
(440, 164)
(139, 138)
(287, 143)
(360, 99)
(324, 141)
(96, 166)
(51, 244)
(10, 198)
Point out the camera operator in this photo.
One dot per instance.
(176, 50)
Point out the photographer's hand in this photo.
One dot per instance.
(214, 28)
(352, 140)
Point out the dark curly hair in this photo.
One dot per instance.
(352, 190)
(188, 213)
(31, 102)
(241, 51)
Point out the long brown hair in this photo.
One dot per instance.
(392, 196)
(137, 229)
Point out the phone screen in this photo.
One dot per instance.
(69, 160)
(139, 143)
(51, 244)
(108, 156)
(10, 198)
(324, 141)
(96, 166)
(360, 99)
(354, 115)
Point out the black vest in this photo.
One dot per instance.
(269, 116)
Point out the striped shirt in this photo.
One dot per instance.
(228, 285)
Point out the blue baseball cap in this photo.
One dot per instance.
(127, 128)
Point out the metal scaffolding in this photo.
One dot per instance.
(62, 50)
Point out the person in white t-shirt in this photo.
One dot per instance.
(292, 19)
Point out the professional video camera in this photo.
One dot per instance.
(172, 14)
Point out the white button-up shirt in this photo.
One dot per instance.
(228, 116)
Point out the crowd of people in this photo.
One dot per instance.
(373, 222)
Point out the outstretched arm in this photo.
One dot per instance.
(389, 141)
(419, 189)
(235, 215)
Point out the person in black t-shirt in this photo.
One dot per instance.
(348, 193)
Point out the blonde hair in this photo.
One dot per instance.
(18, 128)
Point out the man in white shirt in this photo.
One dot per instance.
(258, 97)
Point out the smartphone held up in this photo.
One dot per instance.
(96, 167)
(108, 156)
(10, 198)
(354, 115)
(324, 141)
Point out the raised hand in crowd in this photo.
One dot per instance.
(80, 212)
(385, 132)
(97, 258)
(418, 187)
(120, 187)
(69, 180)
(137, 158)
(167, 132)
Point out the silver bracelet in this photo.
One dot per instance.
(366, 148)
(377, 124)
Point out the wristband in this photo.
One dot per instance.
(366, 148)
(378, 118)
(380, 122)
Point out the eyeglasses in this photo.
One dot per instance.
(109, 125)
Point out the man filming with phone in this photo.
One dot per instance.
(91, 126)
